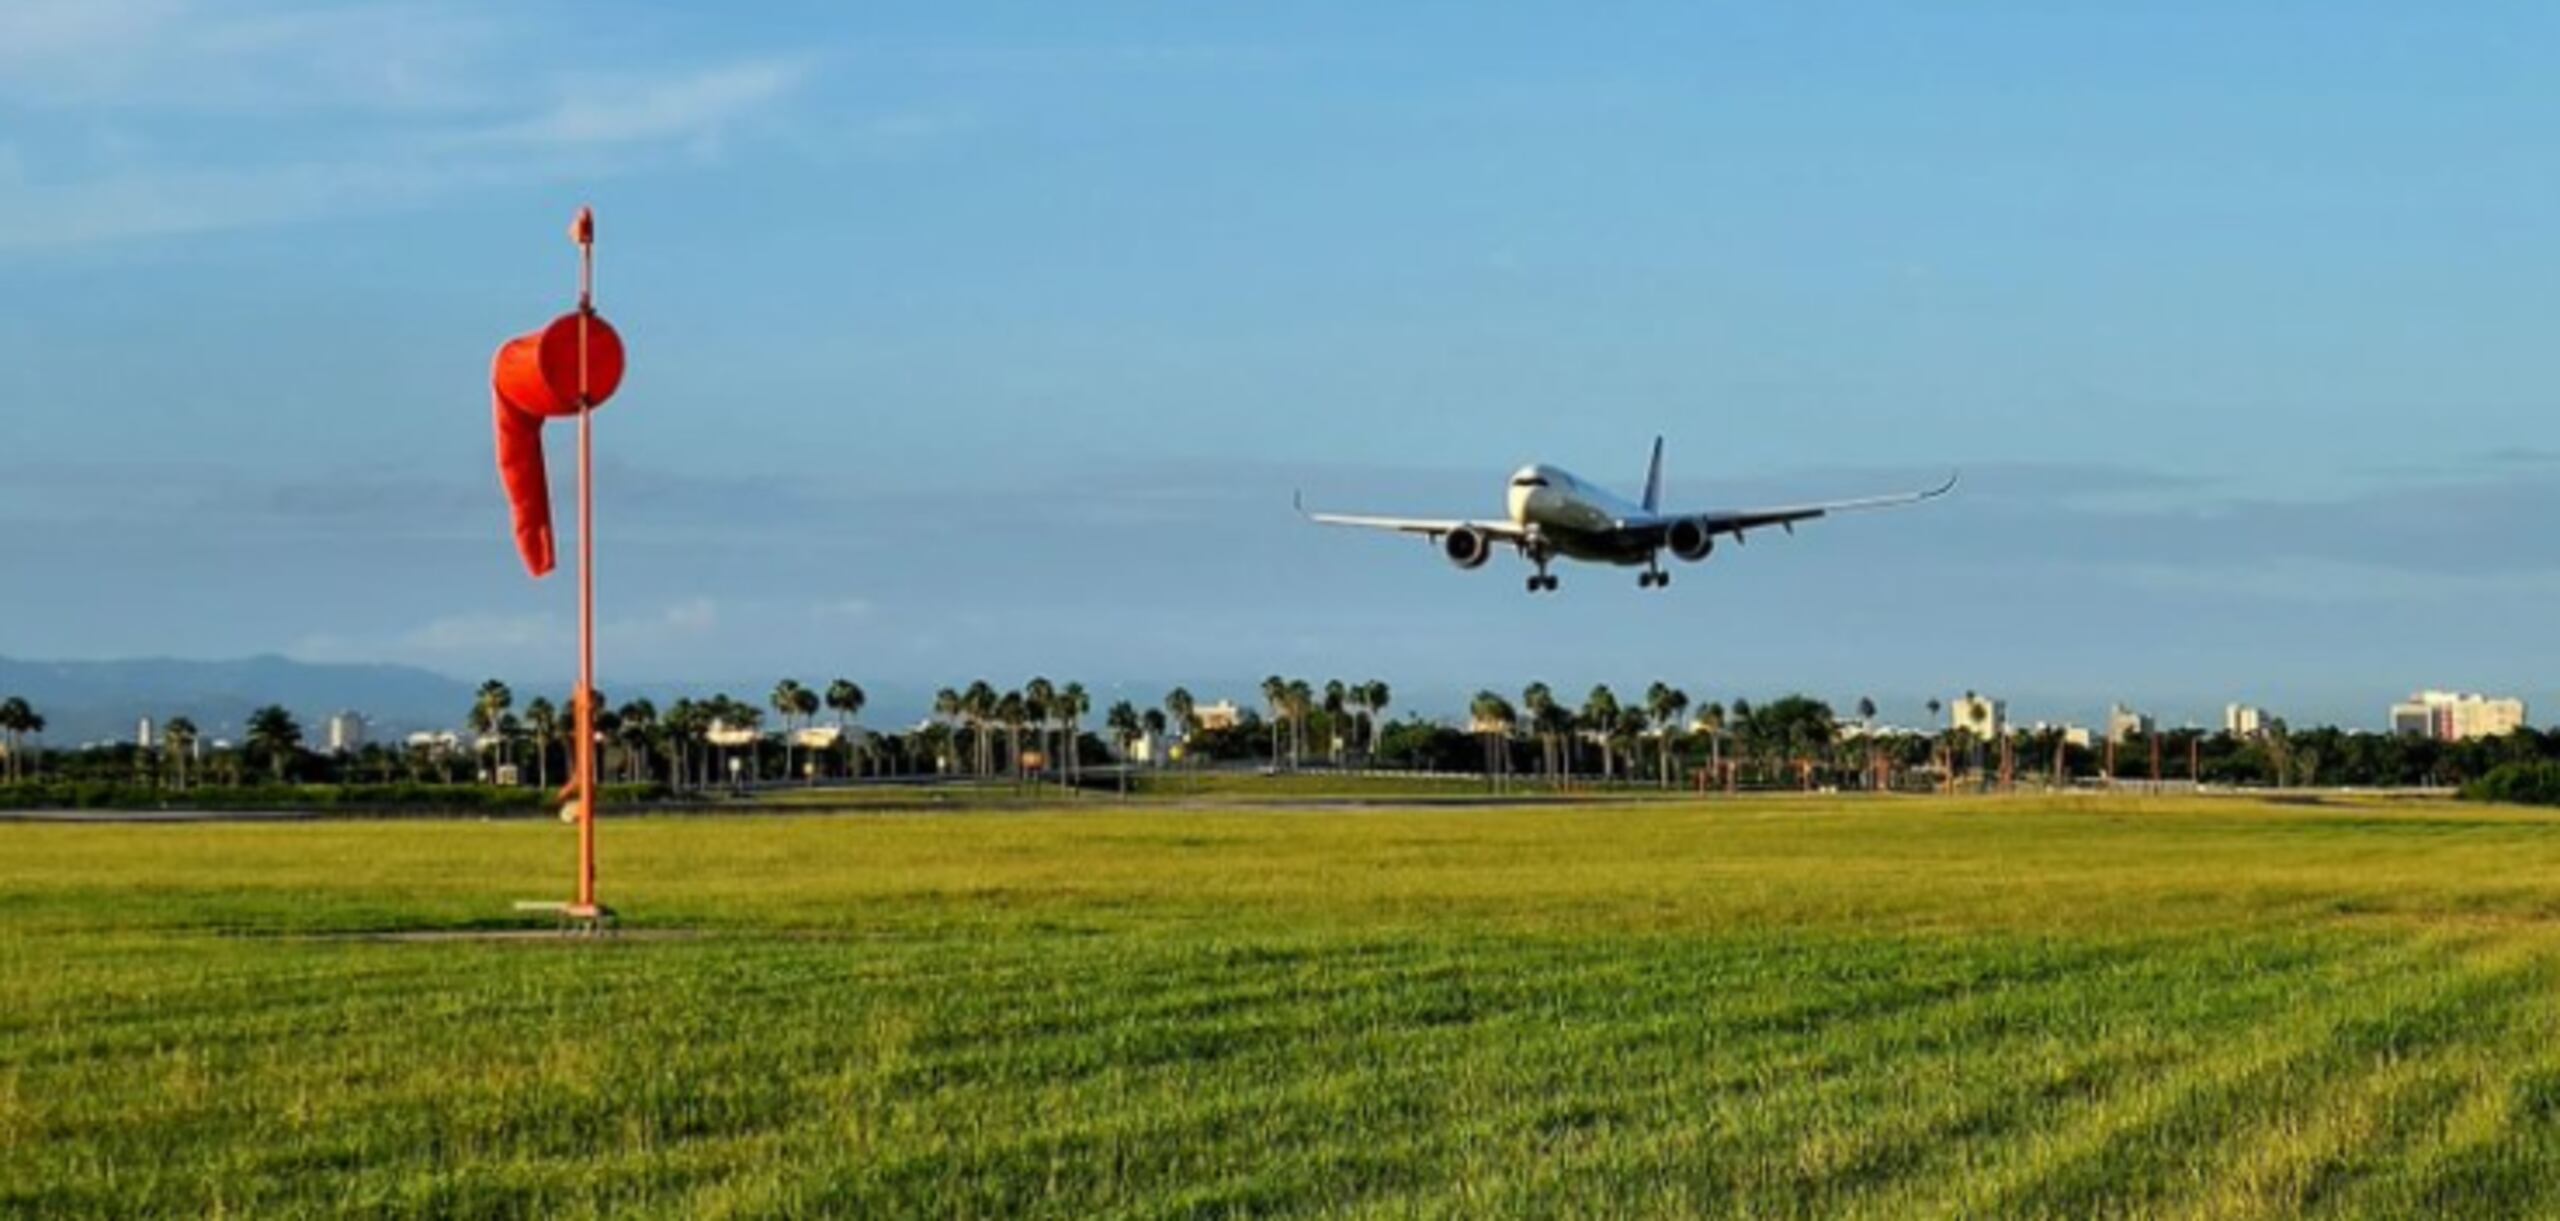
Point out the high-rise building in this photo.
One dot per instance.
(143, 735)
(1981, 714)
(2123, 722)
(2454, 716)
(2243, 720)
(346, 733)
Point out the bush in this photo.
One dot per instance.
(2530, 784)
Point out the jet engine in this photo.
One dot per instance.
(1689, 539)
(1467, 547)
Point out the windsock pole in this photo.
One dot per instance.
(583, 232)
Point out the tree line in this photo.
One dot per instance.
(1045, 730)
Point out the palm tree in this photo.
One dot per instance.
(804, 704)
(542, 720)
(1600, 720)
(489, 709)
(1938, 739)
(684, 721)
(180, 735)
(1492, 718)
(785, 702)
(1711, 720)
(1540, 701)
(845, 698)
(1978, 712)
(949, 707)
(636, 725)
(978, 705)
(1666, 704)
(1010, 713)
(740, 715)
(1375, 696)
(17, 720)
(1302, 704)
(1074, 702)
(1337, 703)
(1275, 696)
(937, 741)
(1122, 720)
(1184, 710)
(274, 733)
(1039, 707)
(1867, 735)
(1628, 735)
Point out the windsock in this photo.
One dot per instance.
(536, 378)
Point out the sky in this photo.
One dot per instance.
(994, 339)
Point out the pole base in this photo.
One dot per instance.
(581, 918)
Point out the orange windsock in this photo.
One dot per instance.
(536, 378)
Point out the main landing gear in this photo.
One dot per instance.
(1541, 582)
(1653, 577)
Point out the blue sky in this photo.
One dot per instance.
(993, 340)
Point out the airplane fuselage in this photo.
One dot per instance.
(1575, 519)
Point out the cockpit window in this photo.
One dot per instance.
(1530, 481)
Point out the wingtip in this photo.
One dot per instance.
(1953, 477)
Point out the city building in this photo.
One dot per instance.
(2078, 737)
(2123, 722)
(1980, 714)
(1147, 749)
(2454, 716)
(727, 736)
(1221, 715)
(1851, 731)
(818, 737)
(142, 735)
(347, 733)
(2243, 720)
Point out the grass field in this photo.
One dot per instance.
(1776, 1007)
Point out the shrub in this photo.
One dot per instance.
(2531, 784)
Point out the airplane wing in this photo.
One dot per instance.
(1735, 521)
(1428, 527)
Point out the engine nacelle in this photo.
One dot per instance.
(1467, 547)
(1689, 539)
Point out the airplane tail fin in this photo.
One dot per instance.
(1653, 480)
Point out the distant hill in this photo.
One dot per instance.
(85, 701)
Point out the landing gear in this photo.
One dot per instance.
(1543, 580)
(1656, 579)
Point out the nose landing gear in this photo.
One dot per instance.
(1540, 556)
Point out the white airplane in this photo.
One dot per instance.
(1553, 514)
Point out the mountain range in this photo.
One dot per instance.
(96, 701)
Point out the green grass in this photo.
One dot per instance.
(1767, 1008)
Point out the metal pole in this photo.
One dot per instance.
(584, 233)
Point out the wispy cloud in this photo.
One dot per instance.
(362, 110)
(131, 55)
(685, 108)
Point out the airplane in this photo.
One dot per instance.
(1553, 514)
